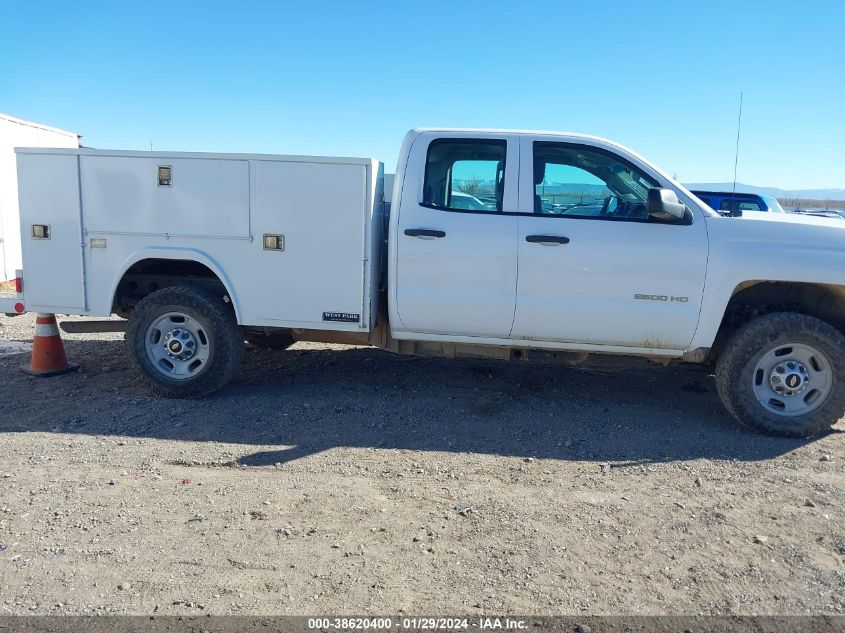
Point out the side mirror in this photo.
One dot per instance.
(663, 204)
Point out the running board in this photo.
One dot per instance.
(88, 327)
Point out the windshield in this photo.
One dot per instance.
(773, 204)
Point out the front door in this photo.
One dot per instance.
(593, 267)
(456, 250)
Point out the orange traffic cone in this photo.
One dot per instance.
(48, 353)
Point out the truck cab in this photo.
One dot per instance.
(565, 254)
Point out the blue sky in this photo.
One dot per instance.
(350, 78)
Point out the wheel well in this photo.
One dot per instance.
(751, 299)
(149, 275)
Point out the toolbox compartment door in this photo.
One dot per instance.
(205, 198)
(322, 212)
(48, 192)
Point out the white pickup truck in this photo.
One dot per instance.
(509, 244)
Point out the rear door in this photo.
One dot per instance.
(456, 245)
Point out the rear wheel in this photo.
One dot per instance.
(781, 374)
(184, 341)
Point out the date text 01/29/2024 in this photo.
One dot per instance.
(417, 624)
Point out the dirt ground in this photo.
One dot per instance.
(333, 479)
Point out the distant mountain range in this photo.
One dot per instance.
(804, 194)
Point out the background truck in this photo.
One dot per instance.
(735, 203)
(506, 244)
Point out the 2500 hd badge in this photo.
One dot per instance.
(661, 298)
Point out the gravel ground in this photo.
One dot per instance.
(347, 480)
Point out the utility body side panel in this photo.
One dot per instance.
(215, 210)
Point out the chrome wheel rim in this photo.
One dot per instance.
(177, 346)
(792, 379)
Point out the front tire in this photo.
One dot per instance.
(782, 373)
(184, 342)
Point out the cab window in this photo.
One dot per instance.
(736, 204)
(579, 181)
(465, 175)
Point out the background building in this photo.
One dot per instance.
(19, 133)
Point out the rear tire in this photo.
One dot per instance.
(782, 373)
(184, 342)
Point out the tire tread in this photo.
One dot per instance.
(227, 353)
(759, 334)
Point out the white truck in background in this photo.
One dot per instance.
(507, 244)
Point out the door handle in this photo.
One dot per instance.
(547, 240)
(425, 234)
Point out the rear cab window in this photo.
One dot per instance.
(740, 204)
(465, 175)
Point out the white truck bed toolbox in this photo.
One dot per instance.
(284, 227)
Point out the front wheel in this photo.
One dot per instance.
(782, 374)
(184, 341)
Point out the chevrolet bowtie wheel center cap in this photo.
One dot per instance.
(180, 344)
(789, 378)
